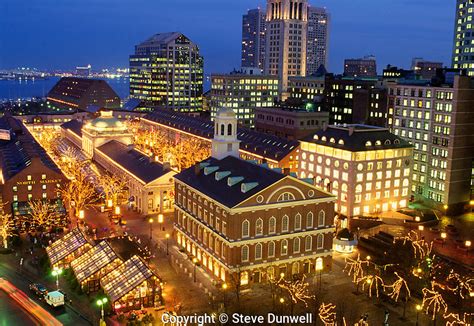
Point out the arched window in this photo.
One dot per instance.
(244, 253)
(298, 221)
(286, 196)
(405, 182)
(229, 129)
(296, 245)
(308, 243)
(284, 223)
(368, 143)
(271, 249)
(284, 247)
(320, 241)
(358, 189)
(259, 227)
(272, 225)
(222, 129)
(258, 251)
(344, 187)
(309, 220)
(321, 218)
(245, 229)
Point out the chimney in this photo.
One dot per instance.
(166, 166)
(351, 130)
(286, 171)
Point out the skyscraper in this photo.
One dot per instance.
(463, 53)
(166, 71)
(287, 25)
(253, 39)
(318, 39)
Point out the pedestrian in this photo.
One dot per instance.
(387, 314)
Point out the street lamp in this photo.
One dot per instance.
(195, 263)
(117, 210)
(418, 309)
(443, 236)
(160, 220)
(110, 203)
(224, 287)
(150, 221)
(101, 303)
(167, 239)
(319, 267)
(81, 214)
(421, 228)
(56, 272)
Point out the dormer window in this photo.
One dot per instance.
(323, 138)
(368, 144)
(332, 140)
(378, 143)
(340, 142)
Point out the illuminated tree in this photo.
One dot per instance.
(459, 285)
(399, 286)
(373, 283)
(41, 213)
(327, 314)
(79, 193)
(455, 319)
(5, 228)
(113, 186)
(421, 248)
(355, 268)
(297, 290)
(433, 300)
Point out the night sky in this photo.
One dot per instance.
(60, 34)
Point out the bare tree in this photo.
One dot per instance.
(41, 213)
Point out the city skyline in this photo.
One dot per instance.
(104, 35)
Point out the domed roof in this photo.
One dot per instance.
(225, 113)
(106, 123)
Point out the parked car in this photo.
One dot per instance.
(38, 289)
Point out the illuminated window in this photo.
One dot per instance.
(272, 225)
(43, 176)
(284, 247)
(28, 177)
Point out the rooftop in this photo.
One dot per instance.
(65, 246)
(357, 138)
(254, 142)
(126, 278)
(74, 125)
(133, 161)
(17, 153)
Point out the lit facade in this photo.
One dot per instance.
(356, 100)
(363, 67)
(243, 93)
(463, 49)
(253, 38)
(308, 88)
(438, 120)
(166, 71)
(267, 223)
(287, 26)
(367, 168)
(318, 39)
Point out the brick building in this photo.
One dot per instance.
(245, 222)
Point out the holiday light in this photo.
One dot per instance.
(327, 314)
(433, 300)
(297, 290)
(455, 319)
(421, 248)
(397, 286)
(355, 268)
(373, 282)
(463, 285)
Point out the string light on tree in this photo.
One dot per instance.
(372, 282)
(327, 314)
(397, 286)
(433, 300)
(355, 268)
(463, 286)
(455, 320)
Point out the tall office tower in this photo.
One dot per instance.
(166, 71)
(318, 39)
(463, 52)
(253, 39)
(287, 25)
(437, 118)
(363, 67)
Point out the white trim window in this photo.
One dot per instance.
(272, 225)
(245, 229)
(271, 249)
(309, 220)
(321, 218)
(284, 223)
(320, 241)
(244, 254)
(259, 227)
(308, 243)
(258, 251)
(298, 221)
(284, 247)
(296, 245)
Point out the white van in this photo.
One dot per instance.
(54, 299)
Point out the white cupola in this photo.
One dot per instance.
(225, 140)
